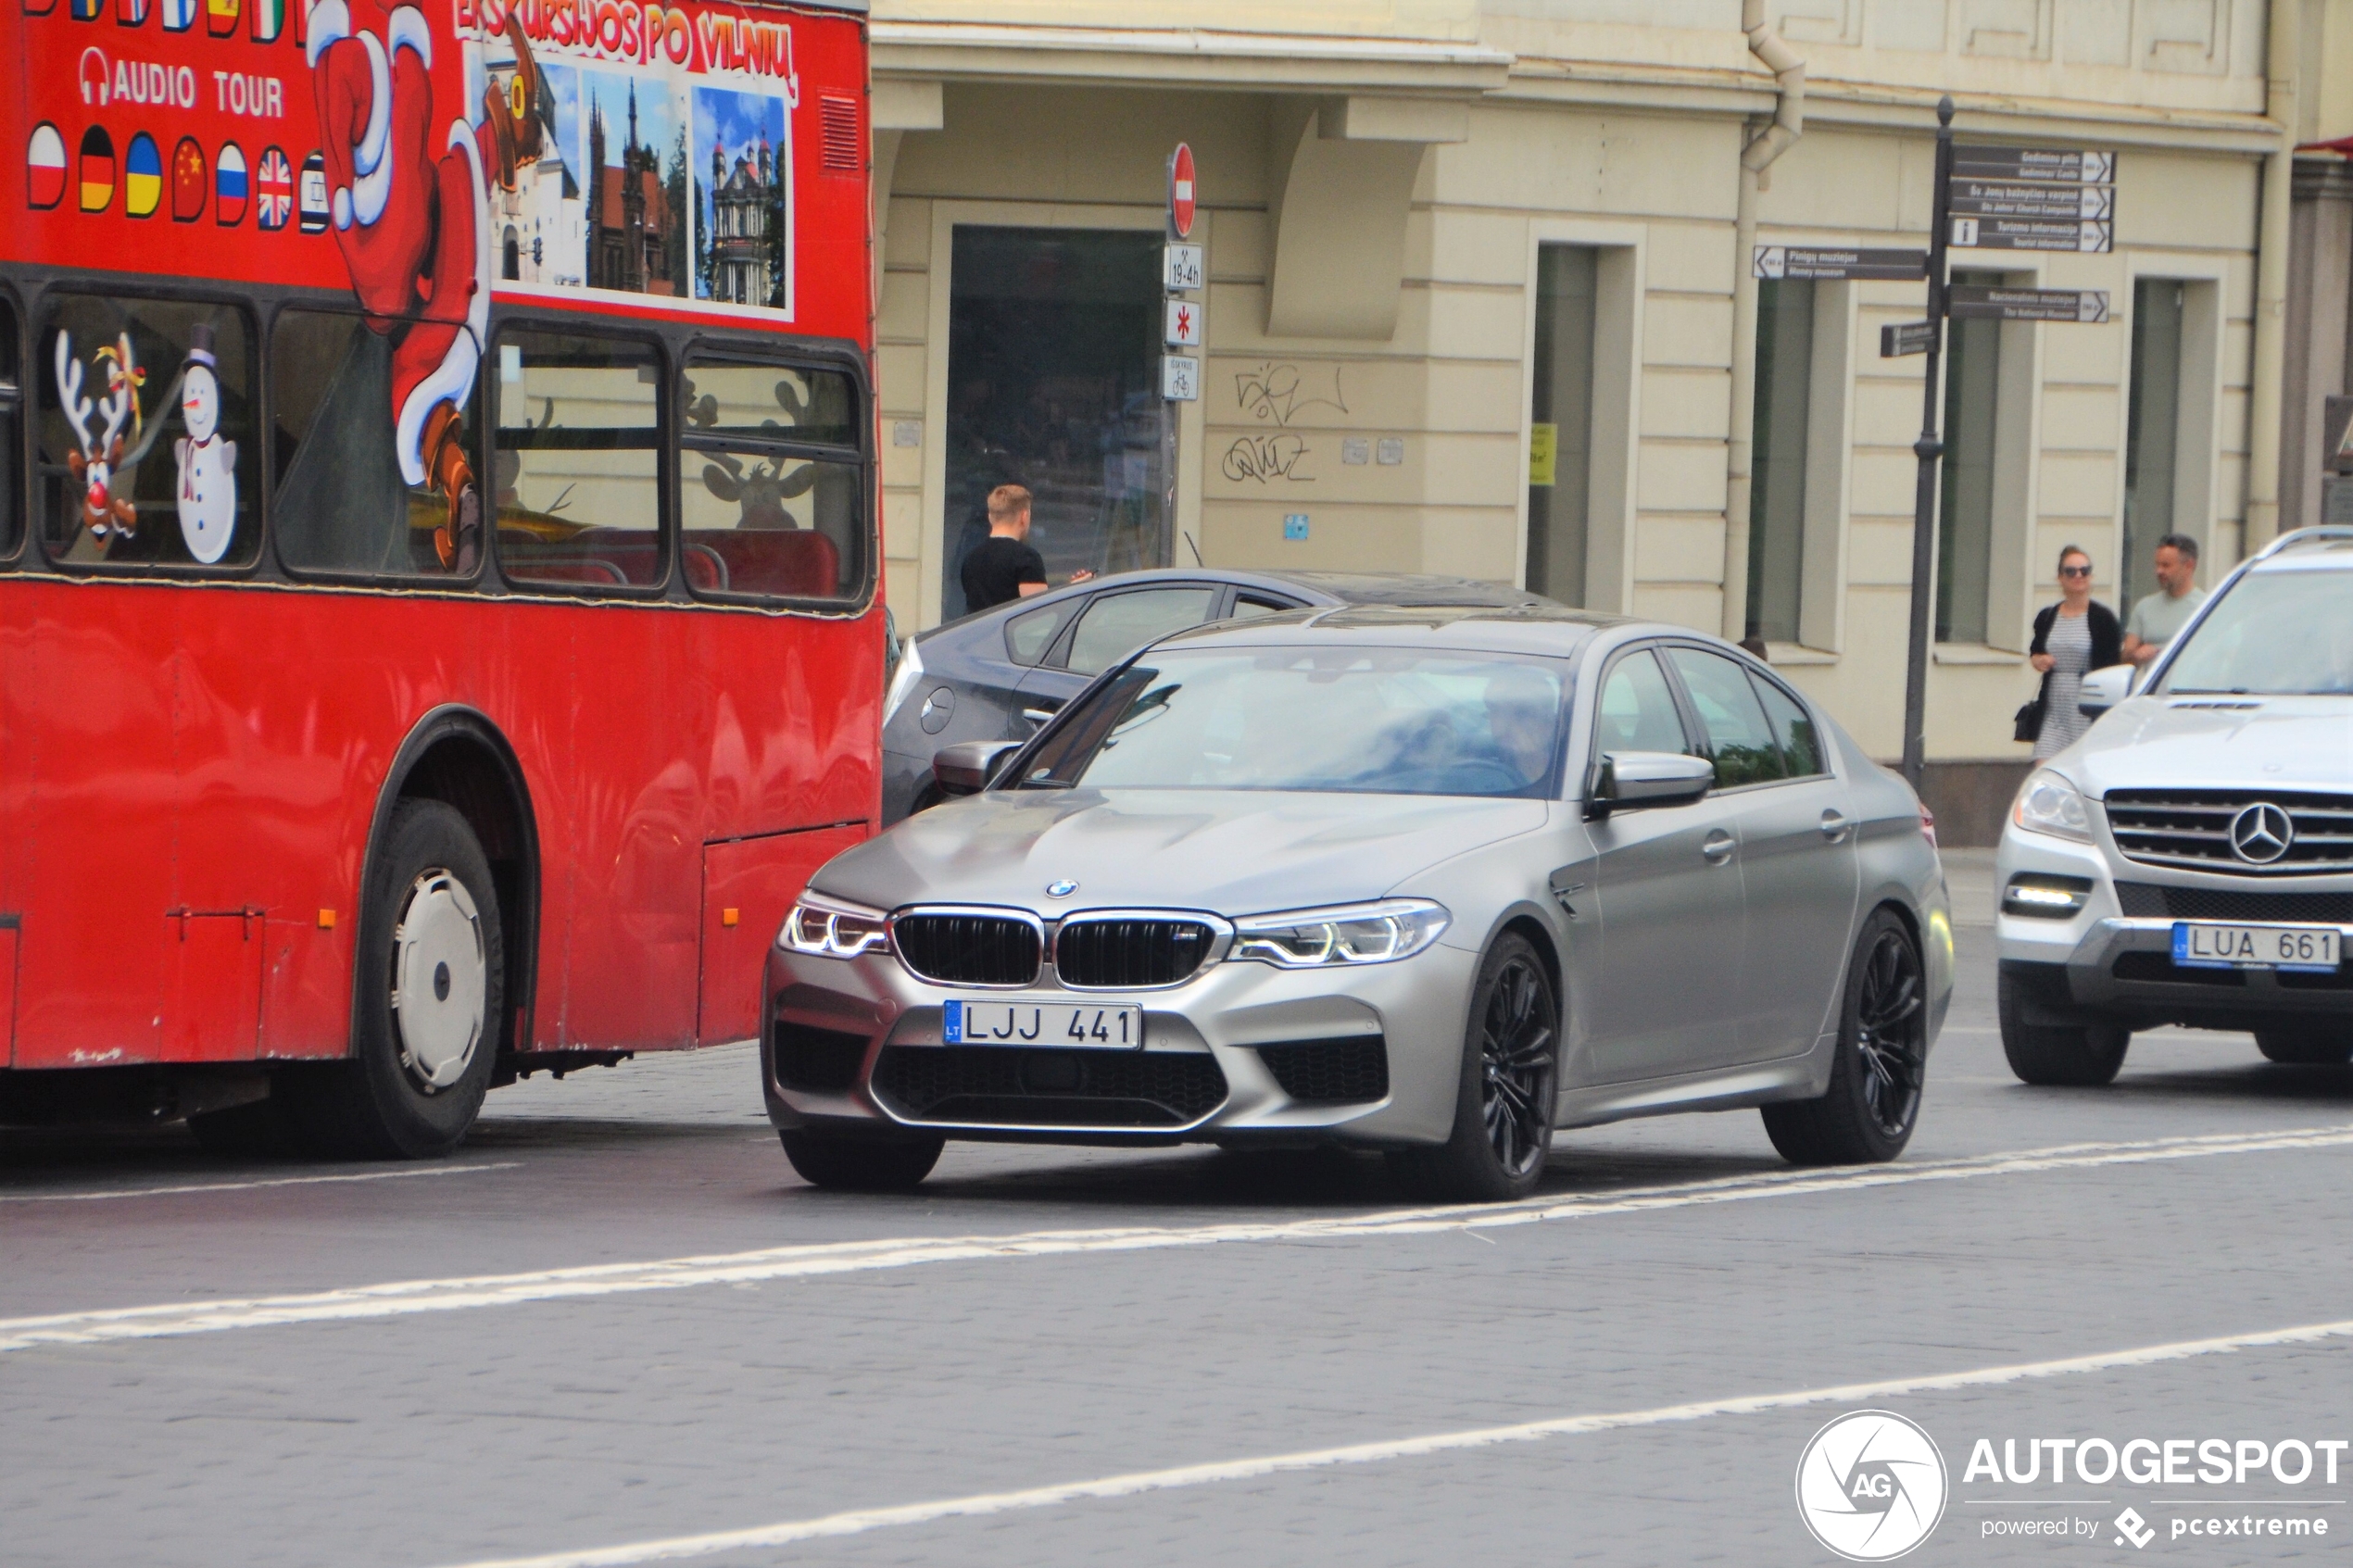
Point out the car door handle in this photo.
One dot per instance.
(1716, 847)
(1833, 825)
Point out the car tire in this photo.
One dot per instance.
(1503, 1098)
(860, 1161)
(430, 973)
(2082, 1056)
(1866, 1114)
(2309, 1045)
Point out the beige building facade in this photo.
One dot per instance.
(1478, 301)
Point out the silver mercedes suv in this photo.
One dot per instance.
(2190, 859)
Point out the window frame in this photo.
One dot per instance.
(108, 287)
(1066, 638)
(1821, 737)
(794, 354)
(668, 453)
(17, 499)
(1695, 726)
(1685, 716)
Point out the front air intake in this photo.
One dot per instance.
(1120, 954)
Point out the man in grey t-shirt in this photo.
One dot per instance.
(2157, 619)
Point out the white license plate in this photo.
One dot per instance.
(2199, 944)
(1060, 1024)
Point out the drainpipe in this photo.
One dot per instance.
(2263, 411)
(1787, 125)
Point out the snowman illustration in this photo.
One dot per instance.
(207, 464)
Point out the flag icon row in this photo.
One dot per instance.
(223, 183)
(269, 17)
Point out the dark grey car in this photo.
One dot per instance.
(999, 674)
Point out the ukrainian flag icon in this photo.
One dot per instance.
(141, 178)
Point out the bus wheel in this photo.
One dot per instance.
(430, 976)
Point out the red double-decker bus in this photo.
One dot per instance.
(439, 623)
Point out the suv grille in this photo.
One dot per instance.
(1125, 953)
(994, 1086)
(1330, 1072)
(2146, 900)
(964, 949)
(2191, 827)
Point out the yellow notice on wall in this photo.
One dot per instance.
(1542, 439)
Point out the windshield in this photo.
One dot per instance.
(2276, 634)
(1366, 720)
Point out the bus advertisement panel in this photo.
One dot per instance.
(438, 530)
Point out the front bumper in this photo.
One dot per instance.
(844, 1042)
(2106, 962)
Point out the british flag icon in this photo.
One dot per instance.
(274, 189)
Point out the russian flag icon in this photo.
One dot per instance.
(230, 191)
(44, 161)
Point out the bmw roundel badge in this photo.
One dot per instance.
(1060, 890)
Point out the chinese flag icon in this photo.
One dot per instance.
(189, 180)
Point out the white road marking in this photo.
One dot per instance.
(248, 1187)
(1134, 1483)
(402, 1298)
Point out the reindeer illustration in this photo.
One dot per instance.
(763, 489)
(93, 465)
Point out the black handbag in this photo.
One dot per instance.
(2027, 724)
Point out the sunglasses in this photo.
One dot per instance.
(2075, 571)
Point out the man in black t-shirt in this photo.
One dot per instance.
(1002, 567)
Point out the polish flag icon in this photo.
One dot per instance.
(44, 162)
(1181, 192)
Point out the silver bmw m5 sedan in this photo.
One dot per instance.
(1435, 881)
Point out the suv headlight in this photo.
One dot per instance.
(1345, 934)
(827, 928)
(2049, 804)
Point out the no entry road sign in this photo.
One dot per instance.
(1180, 193)
(1832, 262)
(1970, 301)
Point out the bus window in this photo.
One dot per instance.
(578, 460)
(11, 400)
(147, 435)
(772, 487)
(341, 503)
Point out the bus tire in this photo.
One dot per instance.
(430, 982)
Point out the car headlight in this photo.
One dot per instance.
(2049, 804)
(1347, 934)
(827, 928)
(904, 679)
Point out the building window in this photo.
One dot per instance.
(1561, 421)
(1781, 432)
(578, 460)
(2153, 436)
(1965, 534)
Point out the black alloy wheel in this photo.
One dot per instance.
(1503, 1103)
(1872, 1103)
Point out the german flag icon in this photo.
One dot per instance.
(97, 169)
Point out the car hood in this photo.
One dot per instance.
(2216, 743)
(1229, 852)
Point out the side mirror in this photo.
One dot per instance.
(2102, 689)
(1632, 779)
(968, 767)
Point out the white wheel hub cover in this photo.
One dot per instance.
(440, 977)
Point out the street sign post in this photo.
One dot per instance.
(1900, 338)
(1988, 198)
(1974, 302)
(1831, 263)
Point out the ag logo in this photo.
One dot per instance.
(1870, 1485)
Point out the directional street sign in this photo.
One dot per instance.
(1976, 302)
(1829, 262)
(2052, 165)
(1183, 324)
(1906, 337)
(2096, 236)
(2026, 198)
(1180, 267)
